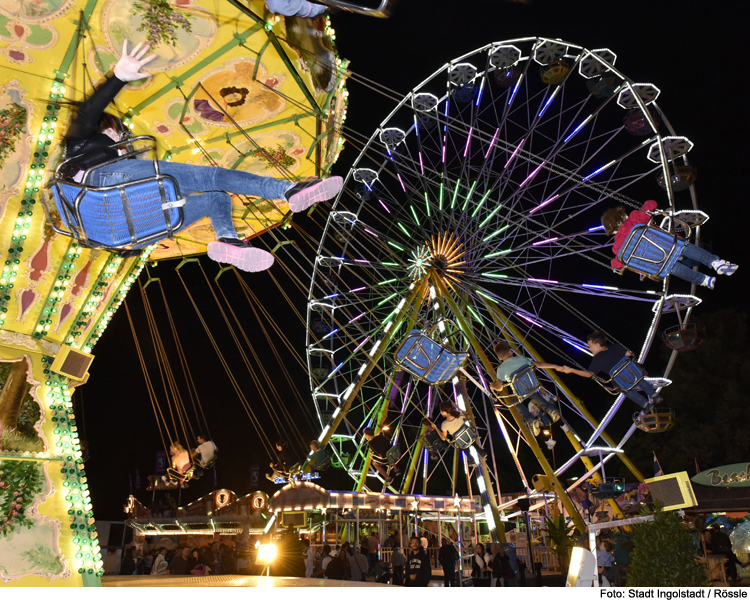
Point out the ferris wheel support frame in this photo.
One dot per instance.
(417, 291)
(569, 433)
(502, 321)
(567, 503)
(561, 493)
(413, 462)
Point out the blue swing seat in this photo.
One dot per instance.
(464, 437)
(319, 460)
(523, 383)
(626, 374)
(651, 251)
(428, 360)
(128, 215)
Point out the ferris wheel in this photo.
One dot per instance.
(473, 216)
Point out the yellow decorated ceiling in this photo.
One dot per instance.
(241, 89)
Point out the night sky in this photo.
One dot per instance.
(693, 51)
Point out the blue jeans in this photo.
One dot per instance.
(204, 188)
(540, 401)
(297, 8)
(633, 395)
(695, 254)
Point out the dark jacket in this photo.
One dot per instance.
(83, 136)
(418, 564)
(448, 556)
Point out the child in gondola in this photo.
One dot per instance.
(207, 188)
(510, 364)
(606, 357)
(457, 430)
(616, 221)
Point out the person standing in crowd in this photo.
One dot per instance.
(358, 565)
(373, 542)
(479, 572)
(325, 559)
(308, 554)
(180, 564)
(127, 566)
(159, 567)
(418, 571)
(398, 561)
(503, 574)
(448, 556)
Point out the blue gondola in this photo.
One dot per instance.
(523, 382)
(427, 359)
(651, 251)
(128, 215)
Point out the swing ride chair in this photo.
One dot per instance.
(464, 437)
(428, 359)
(523, 383)
(652, 251)
(129, 215)
(626, 376)
(608, 488)
(319, 461)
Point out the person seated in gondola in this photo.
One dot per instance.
(380, 447)
(281, 467)
(180, 465)
(92, 132)
(319, 459)
(457, 430)
(606, 358)
(509, 365)
(205, 453)
(432, 441)
(618, 222)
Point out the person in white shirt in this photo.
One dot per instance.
(159, 566)
(205, 452)
(462, 434)
(309, 556)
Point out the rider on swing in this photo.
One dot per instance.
(208, 188)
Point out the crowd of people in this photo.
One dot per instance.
(491, 565)
(147, 559)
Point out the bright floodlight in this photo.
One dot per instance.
(266, 553)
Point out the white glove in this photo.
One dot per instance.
(129, 65)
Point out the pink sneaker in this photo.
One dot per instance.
(236, 252)
(305, 194)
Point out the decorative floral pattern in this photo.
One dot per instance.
(275, 157)
(20, 481)
(160, 21)
(12, 125)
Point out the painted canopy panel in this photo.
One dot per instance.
(237, 88)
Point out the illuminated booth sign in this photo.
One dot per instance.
(280, 480)
(734, 475)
